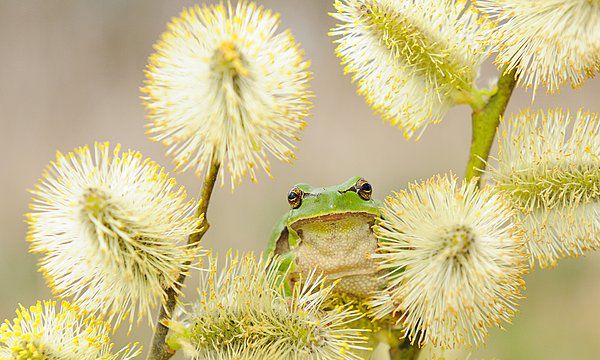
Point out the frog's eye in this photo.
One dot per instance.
(364, 189)
(295, 198)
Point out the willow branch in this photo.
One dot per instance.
(159, 350)
(485, 122)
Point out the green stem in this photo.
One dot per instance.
(159, 350)
(485, 122)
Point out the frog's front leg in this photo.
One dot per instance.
(287, 259)
(293, 238)
(286, 267)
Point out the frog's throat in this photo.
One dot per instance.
(344, 274)
(340, 247)
(294, 235)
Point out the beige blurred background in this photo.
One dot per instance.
(70, 73)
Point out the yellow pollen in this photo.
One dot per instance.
(457, 241)
(228, 57)
(94, 202)
(28, 351)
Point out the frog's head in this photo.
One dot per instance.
(351, 196)
(330, 228)
(351, 199)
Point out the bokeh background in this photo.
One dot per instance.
(70, 73)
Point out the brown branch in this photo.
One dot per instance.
(159, 350)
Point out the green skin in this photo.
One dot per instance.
(330, 231)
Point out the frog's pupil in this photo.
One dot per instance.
(292, 195)
(366, 187)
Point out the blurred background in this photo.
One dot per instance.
(70, 73)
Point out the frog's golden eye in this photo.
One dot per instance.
(364, 189)
(295, 198)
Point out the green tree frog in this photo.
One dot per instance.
(330, 229)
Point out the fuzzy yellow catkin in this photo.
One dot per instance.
(453, 260)
(243, 312)
(43, 332)
(112, 228)
(549, 166)
(548, 43)
(412, 60)
(225, 86)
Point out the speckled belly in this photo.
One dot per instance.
(340, 247)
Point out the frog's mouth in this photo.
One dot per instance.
(360, 216)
